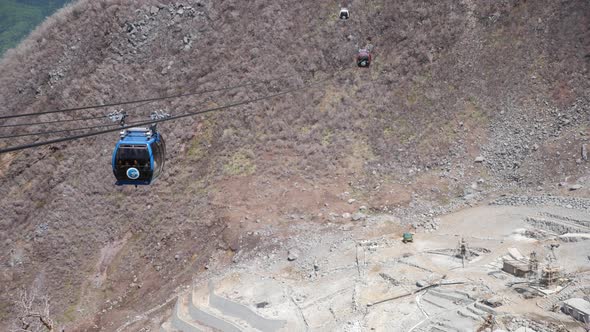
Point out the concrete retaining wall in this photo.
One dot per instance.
(209, 319)
(179, 323)
(484, 308)
(449, 297)
(240, 311)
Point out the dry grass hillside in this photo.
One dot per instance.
(450, 81)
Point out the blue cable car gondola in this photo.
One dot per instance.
(139, 156)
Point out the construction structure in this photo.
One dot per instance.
(549, 276)
(577, 308)
(533, 265)
(462, 251)
(519, 268)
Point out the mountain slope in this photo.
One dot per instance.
(450, 81)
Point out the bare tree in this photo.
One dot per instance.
(33, 313)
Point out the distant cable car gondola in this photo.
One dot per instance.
(139, 156)
(344, 15)
(363, 58)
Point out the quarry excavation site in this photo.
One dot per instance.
(374, 165)
(359, 276)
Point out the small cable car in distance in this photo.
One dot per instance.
(344, 15)
(363, 58)
(139, 156)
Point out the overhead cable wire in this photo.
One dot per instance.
(189, 114)
(127, 102)
(53, 121)
(40, 133)
(68, 120)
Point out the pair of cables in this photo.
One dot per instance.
(139, 123)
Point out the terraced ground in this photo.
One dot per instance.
(368, 282)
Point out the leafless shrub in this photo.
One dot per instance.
(33, 313)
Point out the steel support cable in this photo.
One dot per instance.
(75, 119)
(68, 120)
(214, 109)
(40, 133)
(187, 94)
(109, 125)
(52, 121)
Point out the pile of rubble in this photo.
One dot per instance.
(567, 202)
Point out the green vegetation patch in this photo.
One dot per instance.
(327, 136)
(362, 150)
(198, 147)
(19, 17)
(240, 163)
